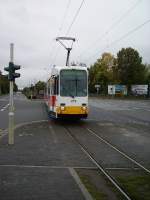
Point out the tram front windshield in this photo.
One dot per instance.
(73, 83)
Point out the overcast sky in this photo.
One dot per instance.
(33, 25)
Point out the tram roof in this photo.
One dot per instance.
(70, 67)
(57, 69)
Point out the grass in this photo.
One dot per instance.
(138, 187)
(0, 132)
(92, 189)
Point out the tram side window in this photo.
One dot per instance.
(48, 88)
(54, 86)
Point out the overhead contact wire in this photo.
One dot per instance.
(60, 28)
(124, 36)
(65, 14)
(114, 25)
(73, 21)
(76, 15)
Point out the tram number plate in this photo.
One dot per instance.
(73, 100)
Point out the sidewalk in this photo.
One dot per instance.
(41, 165)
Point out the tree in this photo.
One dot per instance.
(130, 67)
(101, 72)
(40, 85)
(15, 87)
(4, 84)
(147, 73)
(35, 90)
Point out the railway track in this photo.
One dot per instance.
(90, 154)
(91, 157)
(118, 150)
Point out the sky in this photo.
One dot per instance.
(98, 25)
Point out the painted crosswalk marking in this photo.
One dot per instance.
(5, 107)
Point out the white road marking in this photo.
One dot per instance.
(106, 124)
(4, 108)
(49, 167)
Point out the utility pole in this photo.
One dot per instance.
(11, 102)
(31, 91)
(0, 84)
(11, 77)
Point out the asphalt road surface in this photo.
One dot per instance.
(123, 111)
(25, 110)
(116, 111)
(46, 154)
(124, 123)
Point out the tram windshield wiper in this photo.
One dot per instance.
(71, 96)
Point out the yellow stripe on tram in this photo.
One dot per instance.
(71, 110)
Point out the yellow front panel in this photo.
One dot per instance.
(72, 110)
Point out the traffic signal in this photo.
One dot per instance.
(7, 69)
(16, 75)
(11, 69)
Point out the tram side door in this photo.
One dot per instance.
(53, 92)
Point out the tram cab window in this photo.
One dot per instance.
(73, 83)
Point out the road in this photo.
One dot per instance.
(123, 111)
(25, 110)
(116, 134)
(124, 123)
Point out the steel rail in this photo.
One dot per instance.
(84, 149)
(119, 151)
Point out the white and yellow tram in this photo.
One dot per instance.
(67, 92)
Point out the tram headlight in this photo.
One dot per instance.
(62, 108)
(84, 108)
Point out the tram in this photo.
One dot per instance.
(67, 92)
(67, 88)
